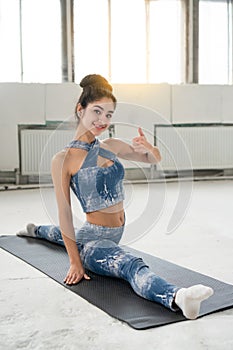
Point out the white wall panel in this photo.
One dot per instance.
(22, 103)
(151, 96)
(19, 104)
(196, 103)
(61, 100)
(227, 104)
(9, 154)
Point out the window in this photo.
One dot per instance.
(41, 41)
(122, 41)
(213, 42)
(165, 41)
(10, 66)
(128, 41)
(91, 40)
(32, 54)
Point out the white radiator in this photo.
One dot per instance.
(182, 148)
(195, 147)
(39, 146)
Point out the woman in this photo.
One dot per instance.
(91, 168)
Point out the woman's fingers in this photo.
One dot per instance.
(138, 139)
(70, 279)
(141, 133)
(140, 148)
(74, 279)
(86, 277)
(141, 138)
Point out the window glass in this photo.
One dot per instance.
(91, 38)
(165, 41)
(128, 59)
(213, 42)
(128, 41)
(41, 41)
(9, 41)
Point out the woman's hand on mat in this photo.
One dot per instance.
(140, 143)
(75, 274)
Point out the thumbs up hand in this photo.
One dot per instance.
(140, 143)
(140, 132)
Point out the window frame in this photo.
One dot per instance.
(191, 41)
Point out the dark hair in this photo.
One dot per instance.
(94, 87)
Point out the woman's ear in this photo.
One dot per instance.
(79, 110)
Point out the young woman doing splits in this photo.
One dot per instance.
(92, 169)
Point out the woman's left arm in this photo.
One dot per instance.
(141, 149)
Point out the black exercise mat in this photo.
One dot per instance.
(113, 295)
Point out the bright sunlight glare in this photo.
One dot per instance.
(166, 53)
(213, 42)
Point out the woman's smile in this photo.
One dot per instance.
(99, 126)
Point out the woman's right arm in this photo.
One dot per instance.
(61, 181)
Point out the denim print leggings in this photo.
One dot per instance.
(101, 254)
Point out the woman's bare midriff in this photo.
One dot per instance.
(111, 217)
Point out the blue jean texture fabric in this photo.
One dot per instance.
(97, 187)
(100, 253)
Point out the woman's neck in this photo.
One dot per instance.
(85, 136)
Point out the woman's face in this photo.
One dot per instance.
(96, 117)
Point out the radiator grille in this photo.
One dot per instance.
(198, 147)
(201, 147)
(39, 146)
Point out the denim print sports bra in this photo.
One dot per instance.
(97, 187)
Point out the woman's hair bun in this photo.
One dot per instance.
(95, 81)
(95, 87)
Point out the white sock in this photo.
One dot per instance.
(28, 232)
(189, 299)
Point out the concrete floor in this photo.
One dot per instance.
(38, 313)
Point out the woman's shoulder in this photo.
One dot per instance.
(112, 144)
(69, 160)
(59, 160)
(116, 145)
(60, 156)
(68, 154)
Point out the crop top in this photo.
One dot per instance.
(97, 187)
